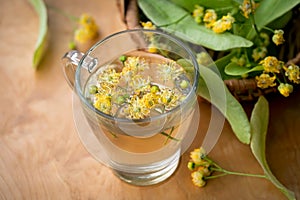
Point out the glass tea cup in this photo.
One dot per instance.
(146, 114)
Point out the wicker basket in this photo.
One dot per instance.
(243, 89)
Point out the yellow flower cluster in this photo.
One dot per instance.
(278, 37)
(293, 73)
(285, 89)
(200, 167)
(272, 64)
(87, 30)
(203, 167)
(265, 81)
(272, 69)
(259, 53)
(132, 90)
(210, 19)
(198, 13)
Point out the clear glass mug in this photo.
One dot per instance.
(140, 151)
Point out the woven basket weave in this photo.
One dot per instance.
(243, 89)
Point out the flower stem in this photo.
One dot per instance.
(238, 173)
(215, 176)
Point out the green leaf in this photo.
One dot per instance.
(264, 15)
(41, 43)
(282, 21)
(179, 22)
(259, 126)
(213, 89)
(222, 62)
(214, 4)
(234, 69)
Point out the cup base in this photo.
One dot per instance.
(153, 174)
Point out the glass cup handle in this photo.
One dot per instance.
(70, 62)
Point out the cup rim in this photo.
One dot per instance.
(192, 92)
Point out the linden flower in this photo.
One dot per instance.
(248, 7)
(293, 73)
(134, 65)
(169, 70)
(265, 81)
(228, 20)
(88, 29)
(150, 100)
(241, 61)
(271, 64)
(169, 98)
(148, 25)
(278, 37)
(198, 179)
(137, 109)
(259, 53)
(223, 24)
(210, 17)
(197, 155)
(198, 13)
(152, 48)
(139, 84)
(103, 102)
(285, 89)
(109, 76)
(204, 170)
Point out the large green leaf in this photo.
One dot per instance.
(259, 126)
(234, 69)
(179, 22)
(213, 89)
(41, 43)
(269, 10)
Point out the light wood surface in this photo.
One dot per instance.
(41, 156)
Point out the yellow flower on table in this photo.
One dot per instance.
(197, 155)
(88, 29)
(198, 179)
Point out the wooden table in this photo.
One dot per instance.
(41, 156)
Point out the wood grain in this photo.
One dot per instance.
(41, 156)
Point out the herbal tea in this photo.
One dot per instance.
(139, 86)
